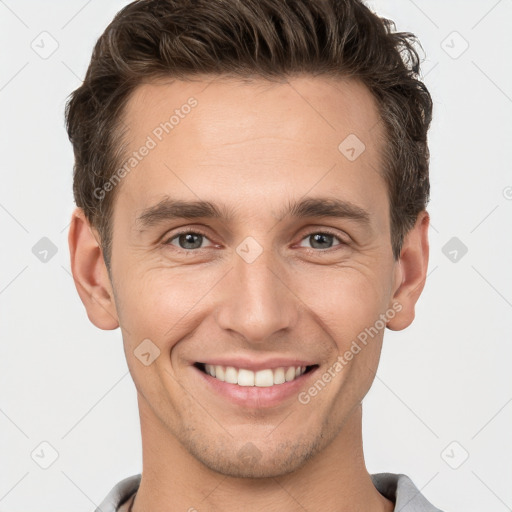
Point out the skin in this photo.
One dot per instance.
(253, 147)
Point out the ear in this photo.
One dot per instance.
(90, 273)
(410, 273)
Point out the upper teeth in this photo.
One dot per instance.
(261, 378)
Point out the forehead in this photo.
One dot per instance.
(215, 136)
(306, 109)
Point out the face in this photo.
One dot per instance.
(282, 278)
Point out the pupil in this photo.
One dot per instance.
(321, 237)
(188, 239)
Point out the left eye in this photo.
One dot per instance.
(319, 240)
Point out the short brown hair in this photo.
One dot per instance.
(150, 39)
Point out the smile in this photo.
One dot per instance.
(261, 378)
(267, 384)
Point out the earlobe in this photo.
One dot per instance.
(411, 273)
(90, 273)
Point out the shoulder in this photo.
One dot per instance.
(120, 493)
(402, 491)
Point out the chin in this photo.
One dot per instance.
(255, 460)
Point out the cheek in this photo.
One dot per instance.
(346, 301)
(159, 303)
(166, 304)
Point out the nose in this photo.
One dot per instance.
(257, 301)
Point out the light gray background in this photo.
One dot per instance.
(443, 390)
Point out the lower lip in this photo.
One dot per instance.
(255, 397)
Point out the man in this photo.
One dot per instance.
(251, 181)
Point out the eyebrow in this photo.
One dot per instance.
(169, 208)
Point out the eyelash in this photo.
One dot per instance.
(308, 249)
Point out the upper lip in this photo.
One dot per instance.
(255, 365)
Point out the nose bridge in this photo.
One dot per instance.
(257, 303)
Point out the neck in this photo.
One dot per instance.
(335, 479)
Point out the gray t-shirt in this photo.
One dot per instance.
(397, 488)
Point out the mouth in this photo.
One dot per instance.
(263, 378)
